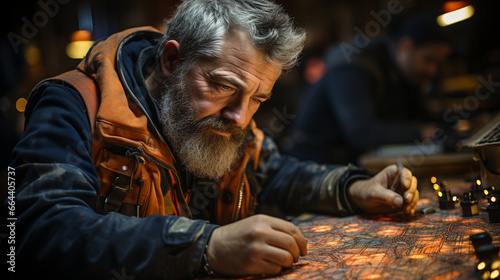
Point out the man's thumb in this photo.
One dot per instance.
(391, 198)
(397, 201)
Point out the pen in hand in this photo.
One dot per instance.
(397, 176)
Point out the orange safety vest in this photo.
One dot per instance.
(136, 170)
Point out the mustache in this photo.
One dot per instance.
(222, 124)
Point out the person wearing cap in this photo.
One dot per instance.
(371, 95)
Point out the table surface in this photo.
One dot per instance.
(425, 246)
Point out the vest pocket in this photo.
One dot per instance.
(120, 173)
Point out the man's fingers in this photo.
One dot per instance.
(407, 187)
(410, 207)
(278, 256)
(406, 179)
(412, 196)
(291, 230)
(398, 179)
(286, 242)
(410, 193)
(384, 196)
(270, 268)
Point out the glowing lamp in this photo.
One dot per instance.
(81, 35)
(481, 266)
(450, 6)
(21, 104)
(455, 11)
(495, 264)
(80, 44)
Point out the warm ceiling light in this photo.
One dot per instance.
(78, 49)
(81, 35)
(450, 6)
(454, 14)
(80, 44)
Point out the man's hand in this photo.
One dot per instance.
(256, 245)
(375, 196)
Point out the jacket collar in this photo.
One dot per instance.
(116, 64)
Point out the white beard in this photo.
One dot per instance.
(201, 151)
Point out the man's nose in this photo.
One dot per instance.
(236, 111)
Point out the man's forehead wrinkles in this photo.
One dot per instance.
(238, 73)
(258, 77)
(258, 66)
(229, 76)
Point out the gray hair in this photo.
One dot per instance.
(200, 27)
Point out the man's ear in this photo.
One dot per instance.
(170, 57)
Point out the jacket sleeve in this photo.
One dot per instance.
(58, 233)
(303, 186)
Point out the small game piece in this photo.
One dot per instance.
(427, 210)
(446, 200)
(494, 208)
(477, 187)
(478, 239)
(469, 204)
(487, 253)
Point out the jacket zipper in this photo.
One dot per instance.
(130, 151)
(240, 193)
(240, 198)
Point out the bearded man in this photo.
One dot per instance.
(145, 161)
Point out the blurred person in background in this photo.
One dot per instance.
(371, 95)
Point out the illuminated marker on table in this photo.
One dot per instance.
(433, 180)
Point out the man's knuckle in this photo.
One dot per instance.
(260, 218)
(258, 233)
(254, 254)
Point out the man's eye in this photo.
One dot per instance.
(258, 101)
(226, 88)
